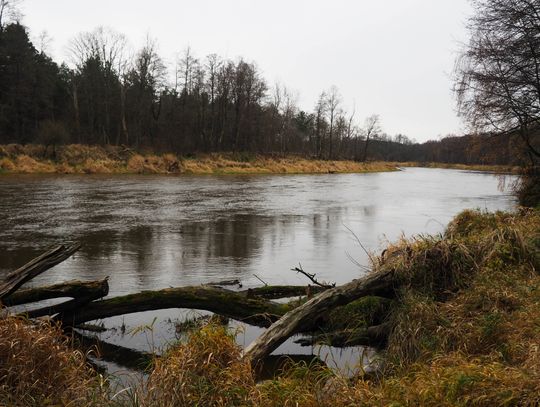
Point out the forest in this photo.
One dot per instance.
(109, 96)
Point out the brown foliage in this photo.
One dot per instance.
(39, 368)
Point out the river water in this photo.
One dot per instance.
(150, 232)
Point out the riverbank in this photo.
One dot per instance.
(464, 331)
(497, 169)
(82, 159)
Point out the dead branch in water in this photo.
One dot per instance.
(300, 270)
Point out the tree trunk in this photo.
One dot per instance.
(35, 267)
(100, 290)
(298, 319)
(230, 304)
(73, 289)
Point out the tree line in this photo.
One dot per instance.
(107, 95)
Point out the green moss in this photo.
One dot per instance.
(361, 313)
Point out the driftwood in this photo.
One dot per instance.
(299, 318)
(100, 289)
(73, 289)
(35, 267)
(225, 283)
(323, 284)
(274, 292)
(82, 293)
(253, 306)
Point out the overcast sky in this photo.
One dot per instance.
(389, 57)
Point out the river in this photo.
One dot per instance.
(151, 232)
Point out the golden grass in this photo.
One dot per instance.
(207, 370)
(85, 159)
(38, 368)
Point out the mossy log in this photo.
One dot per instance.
(35, 267)
(238, 306)
(72, 289)
(296, 320)
(100, 290)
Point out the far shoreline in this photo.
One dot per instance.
(113, 160)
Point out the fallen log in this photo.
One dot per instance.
(296, 320)
(35, 267)
(225, 283)
(274, 292)
(92, 328)
(100, 290)
(73, 289)
(238, 306)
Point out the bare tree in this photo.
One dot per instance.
(352, 133)
(9, 9)
(108, 51)
(497, 76)
(105, 44)
(320, 112)
(213, 65)
(371, 130)
(44, 41)
(187, 67)
(284, 108)
(333, 100)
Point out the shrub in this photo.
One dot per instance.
(528, 190)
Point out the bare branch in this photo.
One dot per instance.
(312, 277)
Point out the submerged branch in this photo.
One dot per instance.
(373, 336)
(325, 285)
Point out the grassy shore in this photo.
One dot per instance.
(465, 331)
(498, 169)
(82, 159)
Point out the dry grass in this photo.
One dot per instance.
(205, 371)
(75, 158)
(469, 333)
(38, 368)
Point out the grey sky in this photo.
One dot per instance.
(390, 57)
